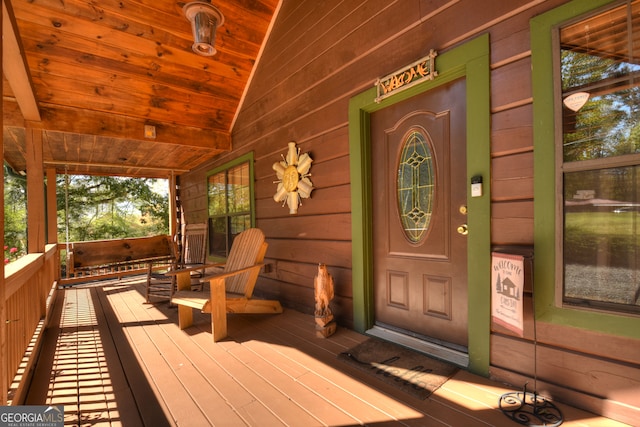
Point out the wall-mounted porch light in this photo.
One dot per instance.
(205, 19)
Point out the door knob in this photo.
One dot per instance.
(463, 229)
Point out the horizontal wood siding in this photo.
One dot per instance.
(318, 56)
(598, 372)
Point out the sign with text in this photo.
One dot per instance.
(507, 287)
(32, 416)
(419, 71)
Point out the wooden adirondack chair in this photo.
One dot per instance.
(231, 290)
(162, 284)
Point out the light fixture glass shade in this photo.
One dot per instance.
(205, 19)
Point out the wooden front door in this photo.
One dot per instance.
(419, 184)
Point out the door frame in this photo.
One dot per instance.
(470, 61)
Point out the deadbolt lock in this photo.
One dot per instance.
(463, 229)
(463, 210)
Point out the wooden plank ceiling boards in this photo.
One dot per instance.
(101, 71)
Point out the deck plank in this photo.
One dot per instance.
(120, 397)
(282, 409)
(189, 364)
(353, 382)
(148, 341)
(360, 385)
(151, 410)
(113, 360)
(191, 353)
(234, 393)
(318, 406)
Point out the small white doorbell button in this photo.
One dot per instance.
(476, 186)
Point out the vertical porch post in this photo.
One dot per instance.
(52, 207)
(35, 189)
(3, 315)
(173, 211)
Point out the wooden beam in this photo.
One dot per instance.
(52, 207)
(172, 182)
(11, 114)
(14, 66)
(35, 190)
(118, 126)
(114, 165)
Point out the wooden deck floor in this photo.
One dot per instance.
(110, 359)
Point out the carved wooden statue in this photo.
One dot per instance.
(324, 292)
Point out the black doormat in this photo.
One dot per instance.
(405, 369)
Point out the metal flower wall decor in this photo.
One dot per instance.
(293, 178)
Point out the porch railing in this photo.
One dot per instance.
(30, 283)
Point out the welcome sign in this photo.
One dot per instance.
(419, 71)
(507, 287)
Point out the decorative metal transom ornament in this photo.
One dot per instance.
(293, 178)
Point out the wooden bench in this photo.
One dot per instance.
(115, 258)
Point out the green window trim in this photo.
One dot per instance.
(246, 158)
(549, 307)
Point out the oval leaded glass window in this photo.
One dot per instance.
(415, 186)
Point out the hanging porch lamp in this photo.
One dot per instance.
(205, 19)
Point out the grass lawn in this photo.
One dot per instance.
(602, 255)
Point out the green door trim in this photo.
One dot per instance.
(470, 61)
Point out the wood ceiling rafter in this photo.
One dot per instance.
(72, 120)
(15, 68)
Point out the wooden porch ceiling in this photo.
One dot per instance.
(98, 72)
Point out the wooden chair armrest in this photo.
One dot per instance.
(226, 274)
(190, 269)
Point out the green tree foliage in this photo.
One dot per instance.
(15, 216)
(608, 123)
(100, 207)
(103, 207)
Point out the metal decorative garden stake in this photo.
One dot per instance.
(529, 408)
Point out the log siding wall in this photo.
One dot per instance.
(318, 56)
